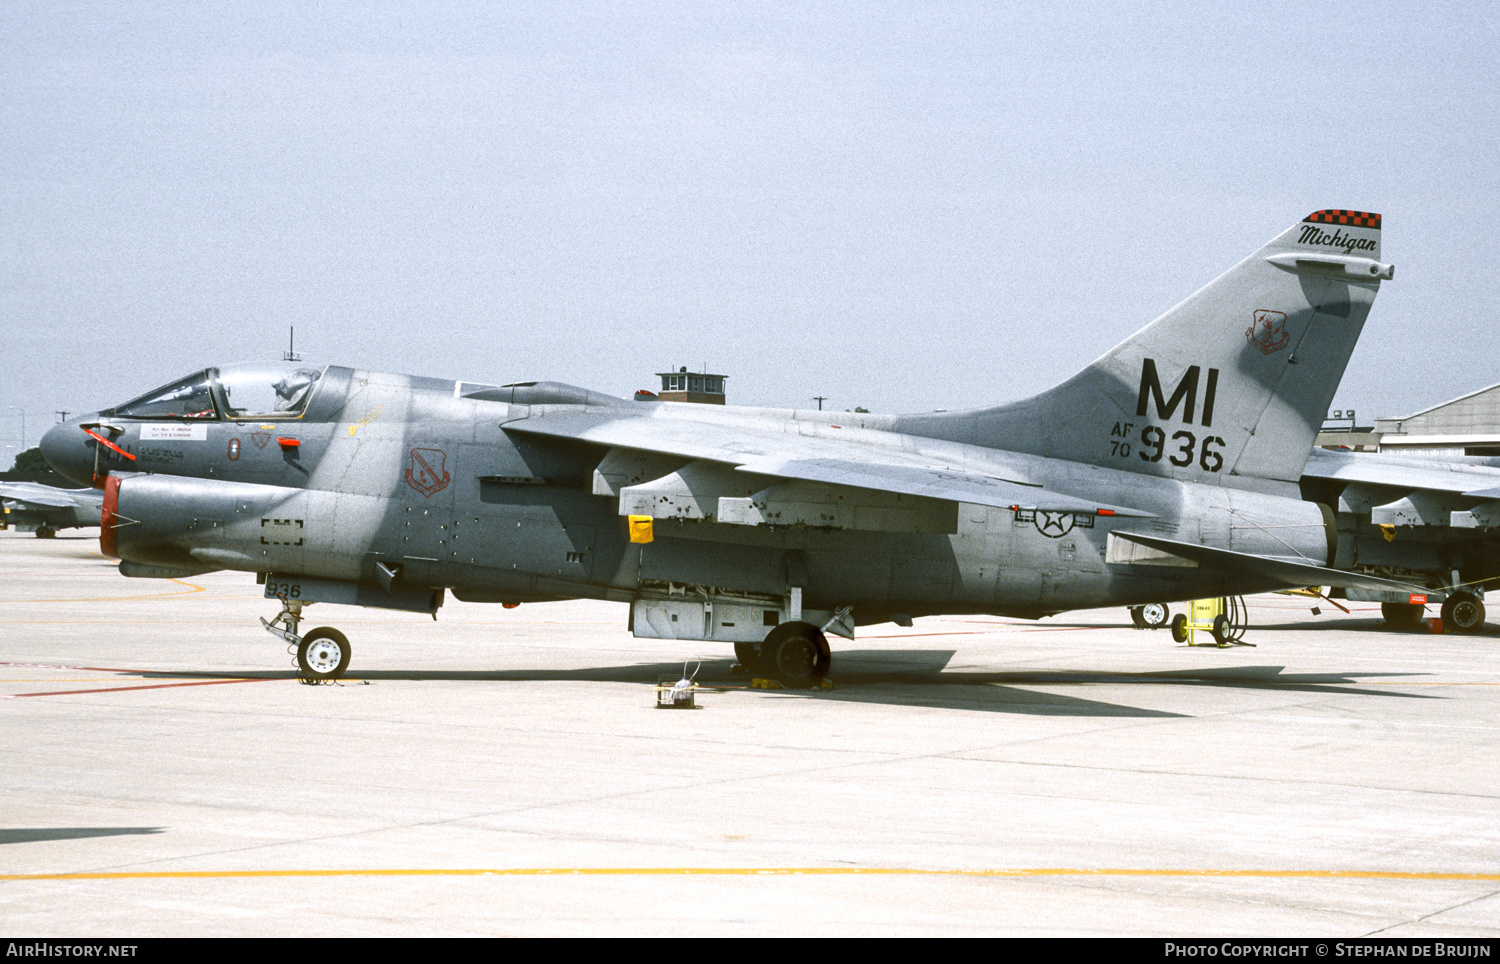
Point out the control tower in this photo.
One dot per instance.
(685, 386)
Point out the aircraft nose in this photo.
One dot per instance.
(65, 449)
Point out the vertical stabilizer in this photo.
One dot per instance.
(1234, 381)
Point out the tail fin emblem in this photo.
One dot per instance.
(1268, 331)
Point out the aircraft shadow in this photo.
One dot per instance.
(10, 835)
(919, 677)
(1374, 624)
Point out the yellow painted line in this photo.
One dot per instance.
(759, 872)
(1380, 683)
(135, 675)
(150, 595)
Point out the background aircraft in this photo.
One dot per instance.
(49, 508)
(1168, 469)
(1427, 521)
(1430, 522)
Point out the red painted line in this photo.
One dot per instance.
(98, 669)
(961, 632)
(999, 628)
(122, 689)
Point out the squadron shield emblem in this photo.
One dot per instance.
(426, 471)
(1268, 330)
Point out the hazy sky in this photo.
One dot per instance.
(900, 206)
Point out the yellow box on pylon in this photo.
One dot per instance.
(640, 528)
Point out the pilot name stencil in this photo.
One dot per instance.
(155, 455)
(426, 471)
(153, 432)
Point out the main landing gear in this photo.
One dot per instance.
(1150, 616)
(1462, 612)
(796, 655)
(322, 655)
(1402, 615)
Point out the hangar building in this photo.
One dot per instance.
(1468, 425)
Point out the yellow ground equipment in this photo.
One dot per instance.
(1222, 618)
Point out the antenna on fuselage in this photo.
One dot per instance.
(291, 345)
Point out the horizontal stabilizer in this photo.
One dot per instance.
(1284, 571)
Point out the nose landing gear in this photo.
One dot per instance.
(322, 655)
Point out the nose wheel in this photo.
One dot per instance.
(322, 655)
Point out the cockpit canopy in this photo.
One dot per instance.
(246, 390)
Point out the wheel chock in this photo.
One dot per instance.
(756, 683)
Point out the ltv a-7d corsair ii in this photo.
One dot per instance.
(1166, 470)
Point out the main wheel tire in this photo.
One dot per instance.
(323, 654)
(1179, 628)
(1137, 617)
(1156, 615)
(1402, 615)
(1463, 613)
(749, 656)
(796, 656)
(46, 532)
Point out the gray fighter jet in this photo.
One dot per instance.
(1166, 470)
(47, 508)
(1432, 522)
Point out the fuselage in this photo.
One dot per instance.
(378, 473)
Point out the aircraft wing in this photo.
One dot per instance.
(36, 494)
(1284, 571)
(1411, 491)
(934, 483)
(858, 461)
(1457, 476)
